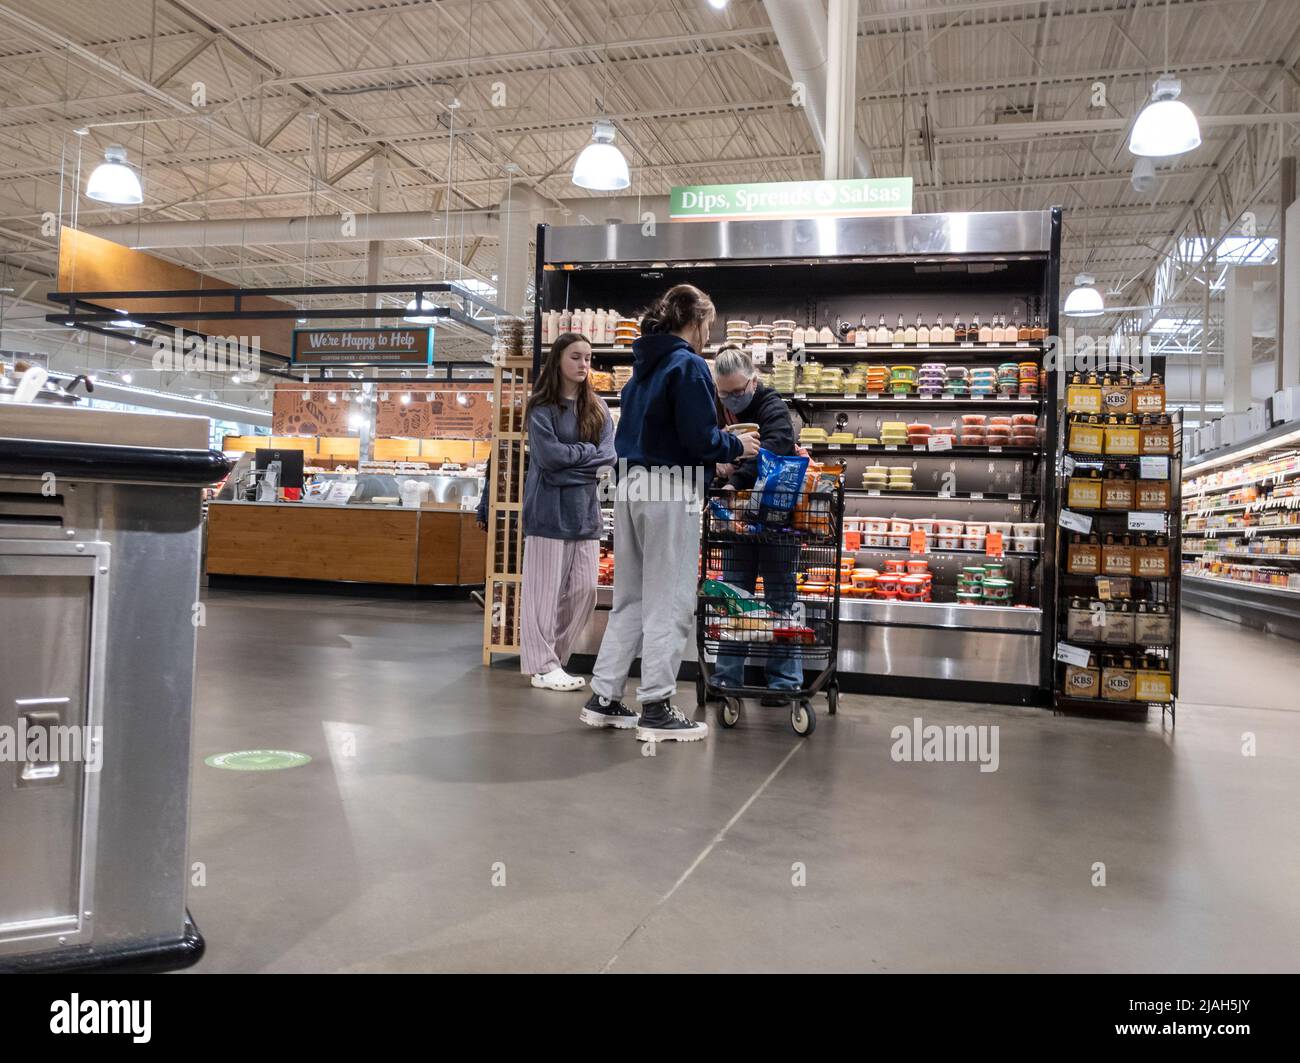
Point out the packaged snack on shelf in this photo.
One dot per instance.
(1153, 681)
(1149, 395)
(1083, 556)
(1083, 395)
(1153, 495)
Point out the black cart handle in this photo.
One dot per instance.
(106, 461)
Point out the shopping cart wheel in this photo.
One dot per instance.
(729, 712)
(803, 719)
(832, 699)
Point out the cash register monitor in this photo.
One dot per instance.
(290, 464)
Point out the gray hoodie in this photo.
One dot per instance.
(560, 500)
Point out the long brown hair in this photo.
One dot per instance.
(549, 391)
(680, 306)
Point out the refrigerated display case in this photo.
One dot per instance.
(771, 281)
(1241, 533)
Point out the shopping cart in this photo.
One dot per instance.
(770, 593)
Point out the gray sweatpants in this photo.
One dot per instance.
(656, 570)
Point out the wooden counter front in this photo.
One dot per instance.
(358, 544)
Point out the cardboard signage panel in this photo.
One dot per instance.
(363, 346)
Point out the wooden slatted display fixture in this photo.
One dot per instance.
(511, 385)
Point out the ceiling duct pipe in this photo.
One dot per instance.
(800, 27)
(323, 228)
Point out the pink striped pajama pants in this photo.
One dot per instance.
(559, 596)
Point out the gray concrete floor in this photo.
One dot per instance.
(428, 770)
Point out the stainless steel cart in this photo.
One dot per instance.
(100, 534)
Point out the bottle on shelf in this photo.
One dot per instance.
(984, 333)
(949, 334)
(881, 333)
(565, 322)
(909, 333)
(598, 327)
(864, 334)
(825, 337)
(959, 330)
(1024, 332)
(922, 333)
(900, 332)
(997, 334)
(1040, 332)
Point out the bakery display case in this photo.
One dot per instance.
(1241, 532)
(1119, 584)
(940, 424)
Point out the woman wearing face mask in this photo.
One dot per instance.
(746, 400)
(668, 442)
(570, 438)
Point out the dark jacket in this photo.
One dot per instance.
(560, 497)
(480, 514)
(669, 409)
(775, 433)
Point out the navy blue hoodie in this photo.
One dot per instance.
(669, 413)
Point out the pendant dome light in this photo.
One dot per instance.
(1166, 125)
(601, 166)
(417, 311)
(1085, 300)
(113, 181)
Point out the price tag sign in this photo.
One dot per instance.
(1152, 522)
(800, 395)
(1103, 588)
(863, 446)
(1014, 498)
(993, 544)
(1153, 468)
(918, 446)
(1075, 521)
(1075, 655)
(1067, 464)
(873, 493)
(918, 542)
(947, 397)
(759, 354)
(832, 446)
(977, 398)
(995, 450)
(977, 494)
(940, 443)
(891, 446)
(899, 345)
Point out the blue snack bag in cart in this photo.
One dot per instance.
(778, 486)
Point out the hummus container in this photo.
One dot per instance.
(949, 542)
(896, 566)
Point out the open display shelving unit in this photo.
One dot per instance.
(1241, 532)
(814, 272)
(1091, 630)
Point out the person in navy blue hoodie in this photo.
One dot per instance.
(668, 442)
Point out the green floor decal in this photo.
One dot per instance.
(257, 760)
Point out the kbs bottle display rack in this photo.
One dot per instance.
(812, 272)
(1119, 540)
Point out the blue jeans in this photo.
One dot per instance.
(744, 563)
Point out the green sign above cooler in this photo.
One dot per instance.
(363, 346)
(859, 198)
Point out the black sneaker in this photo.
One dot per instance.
(602, 712)
(661, 721)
